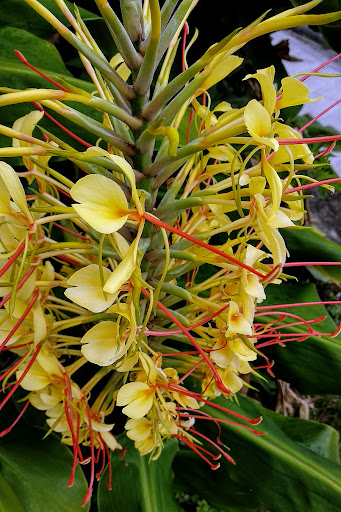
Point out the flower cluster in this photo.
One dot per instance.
(118, 286)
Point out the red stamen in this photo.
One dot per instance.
(109, 487)
(26, 63)
(17, 384)
(63, 192)
(102, 450)
(298, 304)
(14, 256)
(174, 387)
(11, 347)
(158, 222)
(190, 371)
(311, 185)
(196, 449)
(14, 365)
(69, 260)
(318, 116)
(320, 67)
(219, 382)
(75, 457)
(186, 32)
(21, 319)
(8, 429)
(204, 321)
(308, 140)
(62, 127)
(326, 151)
(20, 284)
(71, 232)
(224, 454)
(92, 450)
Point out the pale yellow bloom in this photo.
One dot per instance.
(137, 397)
(87, 289)
(103, 204)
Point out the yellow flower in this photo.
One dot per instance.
(294, 93)
(104, 343)
(87, 289)
(103, 204)
(258, 123)
(237, 322)
(138, 398)
(10, 185)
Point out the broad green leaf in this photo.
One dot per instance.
(36, 472)
(309, 244)
(8, 498)
(312, 366)
(137, 484)
(16, 13)
(286, 469)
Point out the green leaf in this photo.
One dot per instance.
(309, 244)
(312, 366)
(8, 498)
(16, 13)
(289, 468)
(137, 484)
(34, 474)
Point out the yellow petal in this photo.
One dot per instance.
(139, 397)
(87, 291)
(139, 429)
(26, 124)
(232, 381)
(275, 185)
(257, 119)
(102, 344)
(110, 441)
(103, 203)
(123, 271)
(237, 323)
(149, 367)
(298, 150)
(265, 79)
(221, 67)
(243, 352)
(35, 379)
(186, 401)
(294, 93)
(15, 188)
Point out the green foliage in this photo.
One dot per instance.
(294, 466)
(34, 474)
(17, 14)
(138, 484)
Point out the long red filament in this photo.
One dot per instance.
(158, 222)
(320, 67)
(219, 382)
(21, 319)
(8, 429)
(14, 256)
(20, 284)
(26, 63)
(92, 450)
(17, 384)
